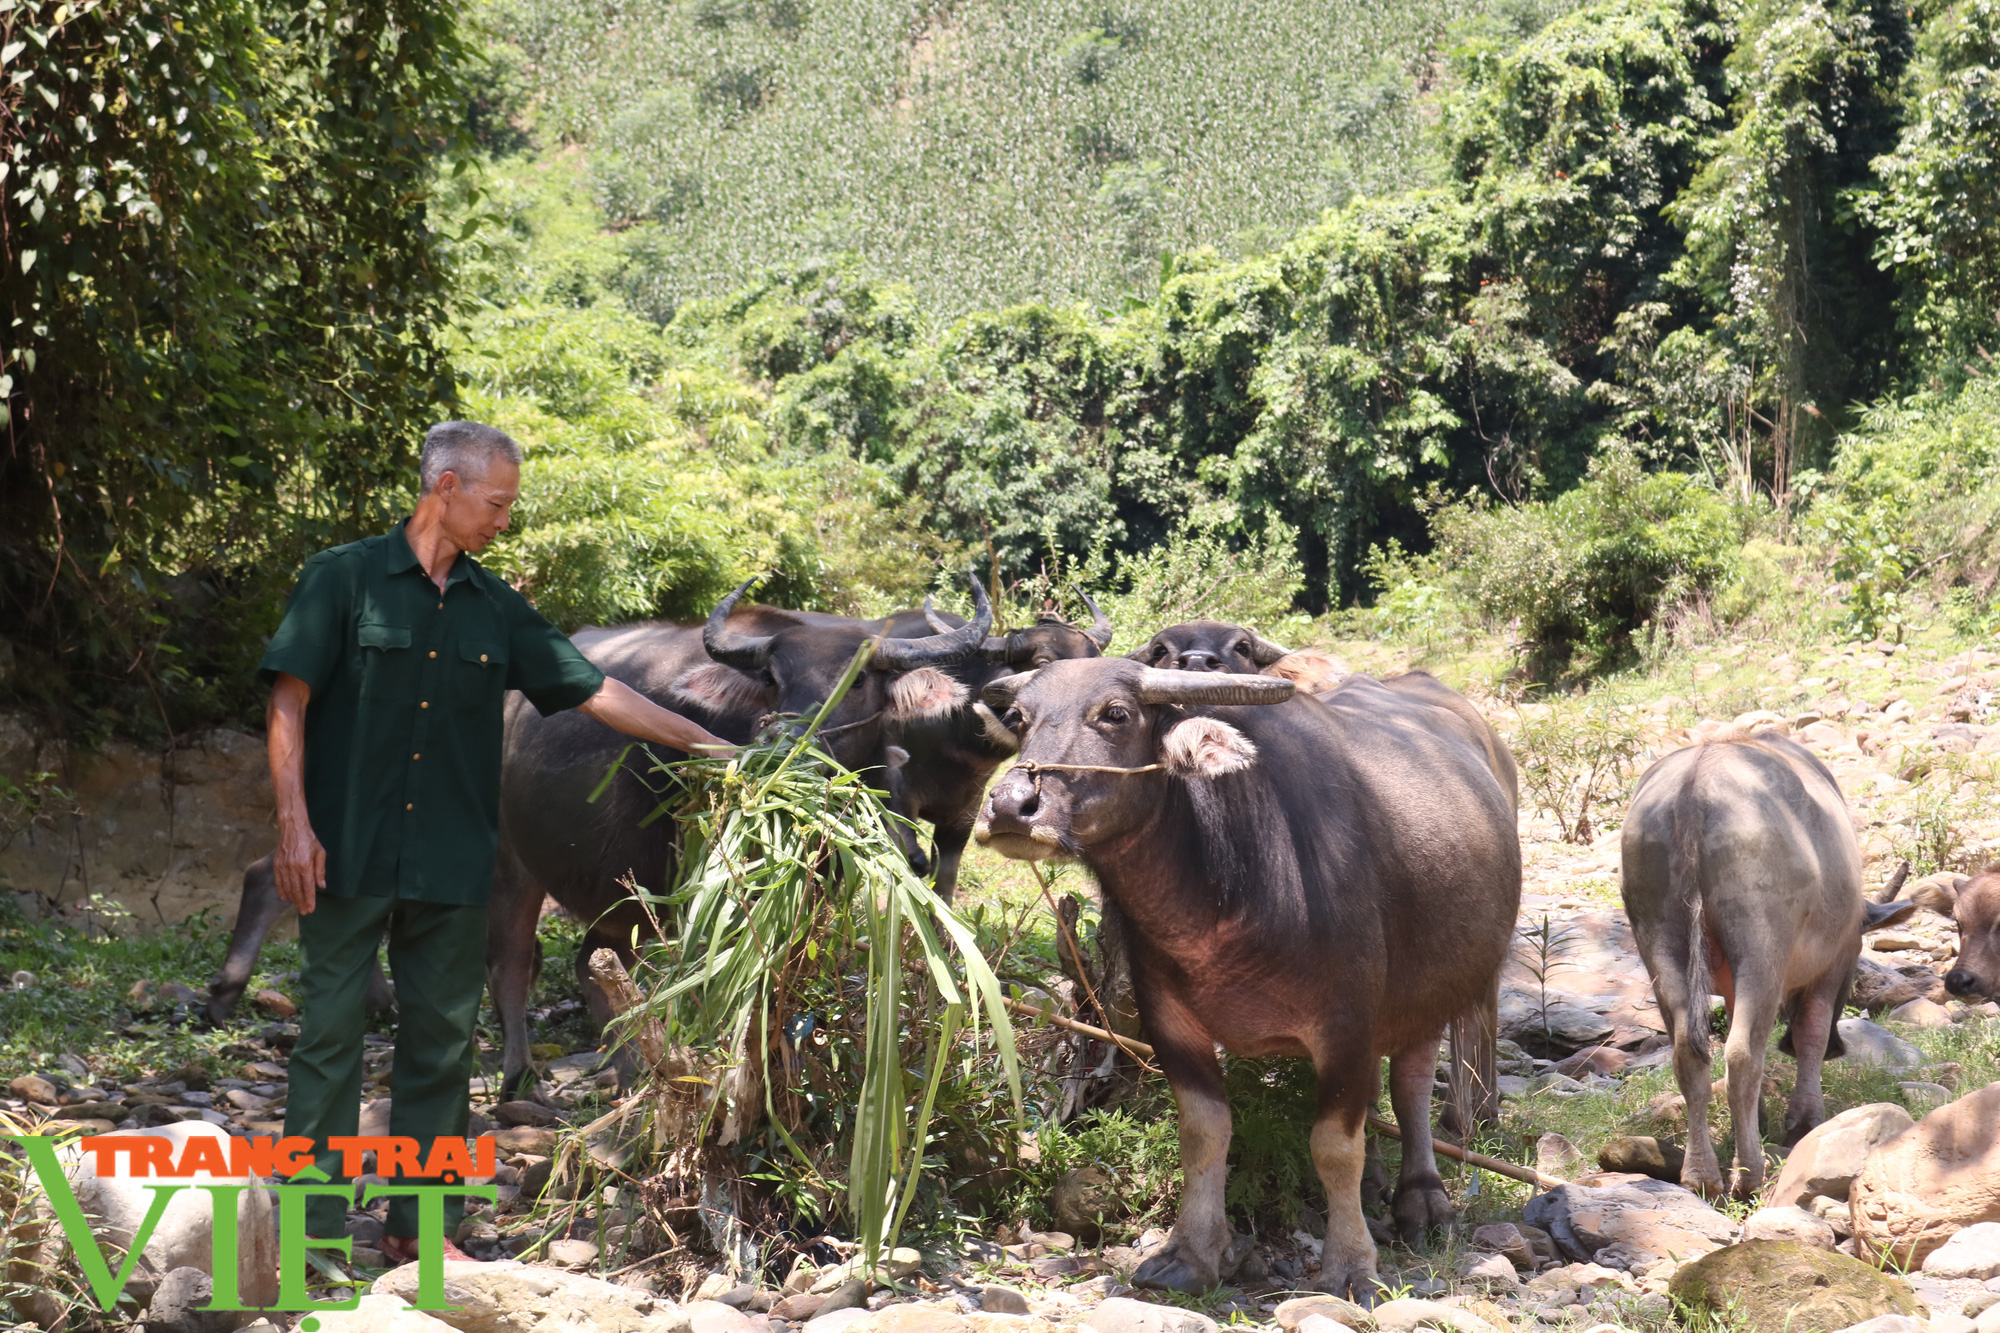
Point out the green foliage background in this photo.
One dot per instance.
(846, 294)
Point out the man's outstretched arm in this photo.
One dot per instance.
(622, 708)
(301, 861)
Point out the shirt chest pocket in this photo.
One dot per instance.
(386, 661)
(479, 674)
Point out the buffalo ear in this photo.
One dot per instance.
(1000, 691)
(996, 730)
(723, 689)
(924, 692)
(1206, 747)
(1887, 914)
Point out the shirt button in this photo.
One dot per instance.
(482, 656)
(425, 704)
(410, 806)
(417, 756)
(434, 654)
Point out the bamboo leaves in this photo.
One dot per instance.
(789, 879)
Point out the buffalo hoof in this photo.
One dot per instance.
(1350, 1282)
(1176, 1269)
(1708, 1184)
(1420, 1206)
(1746, 1181)
(221, 1007)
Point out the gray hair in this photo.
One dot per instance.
(465, 448)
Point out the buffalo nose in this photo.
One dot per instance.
(1199, 662)
(1016, 800)
(1960, 982)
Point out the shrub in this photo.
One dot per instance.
(1581, 573)
(1915, 495)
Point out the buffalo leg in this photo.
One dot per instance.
(951, 839)
(1757, 1001)
(1192, 1257)
(255, 911)
(1421, 1202)
(1699, 1171)
(511, 951)
(1812, 1022)
(1339, 1149)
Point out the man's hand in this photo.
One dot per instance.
(622, 708)
(300, 863)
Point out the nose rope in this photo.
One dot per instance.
(768, 718)
(1036, 766)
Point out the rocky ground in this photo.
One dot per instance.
(1911, 739)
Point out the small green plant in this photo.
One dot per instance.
(33, 800)
(1575, 757)
(1543, 946)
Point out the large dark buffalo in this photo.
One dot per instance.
(746, 666)
(1332, 877)
(1741, 875)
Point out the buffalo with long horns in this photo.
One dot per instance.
(1333, 876)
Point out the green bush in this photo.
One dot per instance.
(1914, 499)
(1581, 573)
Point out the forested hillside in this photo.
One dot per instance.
(1543, 313)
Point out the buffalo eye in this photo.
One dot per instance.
(1012, 719)
(1243, 648)
(1160, 652)
(1116, 713)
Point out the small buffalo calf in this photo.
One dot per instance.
(1976, 909)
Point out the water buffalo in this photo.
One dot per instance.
(1333, 877)
(941, 761)
(1741, 875)
(746, 665)
(1212, 645)
(1976, 909)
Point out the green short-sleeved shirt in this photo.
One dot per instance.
(403, 730)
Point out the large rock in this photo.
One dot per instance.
(1871, 1044)
(1789, 1223)
(1571, 1022)
(1121, 1314)
(1827, 1160)
(1629, 1223)
(185, 1234)
(512, 1297)
(1972, 1253)
(917, 1317)
(1405, 1315)
(715, 1317)
(380, 1314)
(1293, 1313)
(1776, 1286)
(1935, 1178)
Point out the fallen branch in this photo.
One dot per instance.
(1525, 1174)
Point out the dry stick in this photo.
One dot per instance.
(1525, 1174)
(1131, 1048)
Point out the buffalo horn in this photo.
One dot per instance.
(1263, 652)
(1000, 691)
(745, 652)
(1100, 630)
(937, 622)
(940, 649)
(1157, 686)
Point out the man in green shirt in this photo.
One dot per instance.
(387, 679)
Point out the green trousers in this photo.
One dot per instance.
(437, 958)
